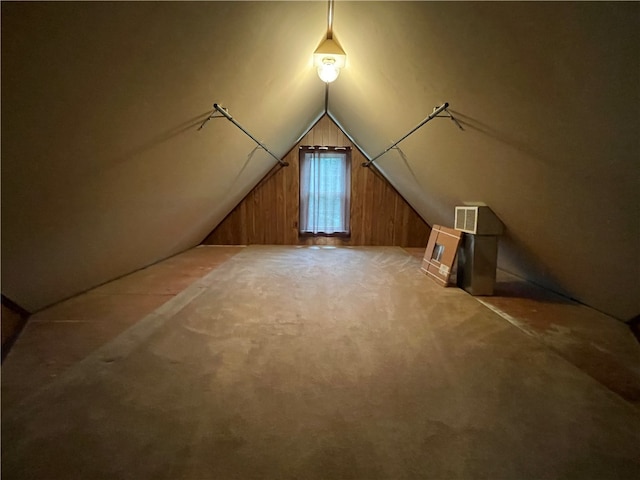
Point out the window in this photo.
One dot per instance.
(325, 190)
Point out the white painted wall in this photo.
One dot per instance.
(103, 169)
(549, 94)
(104, 172)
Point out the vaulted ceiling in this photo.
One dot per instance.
(104, 170)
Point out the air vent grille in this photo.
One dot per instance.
(478, 220)
(470, 220)
(466, 219)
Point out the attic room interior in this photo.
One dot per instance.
(220, 222)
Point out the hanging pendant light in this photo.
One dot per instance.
(329, 57)
(328, 71)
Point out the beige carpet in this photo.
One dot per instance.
(328, 363)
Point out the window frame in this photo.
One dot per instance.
(322, 149)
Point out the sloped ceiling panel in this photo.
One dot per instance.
(104, 172)
(548, 94)
(103, 169)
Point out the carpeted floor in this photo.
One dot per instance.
(328, 363)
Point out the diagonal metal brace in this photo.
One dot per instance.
(225, 113)
(436, 113)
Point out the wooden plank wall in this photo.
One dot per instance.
(269, 213)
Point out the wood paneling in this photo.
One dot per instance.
(269, 213)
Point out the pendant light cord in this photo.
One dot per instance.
(329, 35)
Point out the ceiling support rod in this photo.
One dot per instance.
(434, 114)
(225, 113)
(330, 20)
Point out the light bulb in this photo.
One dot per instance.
(328, 71)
